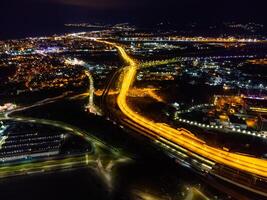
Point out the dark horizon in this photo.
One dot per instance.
(21, 18)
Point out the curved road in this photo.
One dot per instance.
(181, 137)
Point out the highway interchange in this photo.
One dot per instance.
(99, 154)
(181, 138)
(180, 142)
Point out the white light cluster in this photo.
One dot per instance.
(235, 130)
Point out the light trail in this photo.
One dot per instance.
(91, 89)
(92, 108)
(260, 110)
(182, 137)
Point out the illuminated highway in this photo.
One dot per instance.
(181, 137)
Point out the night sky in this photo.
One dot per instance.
(32, 17)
